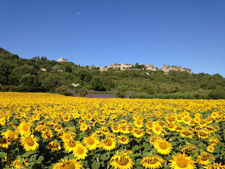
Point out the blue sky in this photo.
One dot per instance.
(187, 33)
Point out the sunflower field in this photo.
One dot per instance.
(50, 131)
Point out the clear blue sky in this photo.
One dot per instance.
(188, 33)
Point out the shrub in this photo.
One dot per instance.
(83, 92)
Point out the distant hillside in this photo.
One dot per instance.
(4, 54)
(42, 75)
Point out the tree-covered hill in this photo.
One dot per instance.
(42, 75)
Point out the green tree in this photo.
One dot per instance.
(29, 83)
(97, 84)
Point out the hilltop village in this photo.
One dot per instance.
(122, 67)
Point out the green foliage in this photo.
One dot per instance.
(121, 92)
(83, 92)
(218, 93)
(97, 84)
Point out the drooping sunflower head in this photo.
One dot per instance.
(152, 162)
(163, 146)
(17, 164)
(153, 139)
(214, 140)
(204, 158)
(47, 135)
(181, 161)
(54, 146)
(188, 148)
(121, 161)
(68, 164)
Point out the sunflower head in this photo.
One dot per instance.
(163, 146)
(80, 151)
(70, 145)
(108, 144)
(204, 158)
(4, 142)
(29, 143)
(181, 161)
(91, 142)
(68, 164)
(121, 161)
(53, 145)
(123, 140)
(152, 162)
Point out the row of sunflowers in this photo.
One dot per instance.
(52, 131)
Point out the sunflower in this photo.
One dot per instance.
(47, 135)
(210, 148)
(210, 129)
(203, 134)
(11, 135)
(124, 129)
(179, 118)
(4, 142)
(138, 133)
(204, 158)
(91, 142)
(108, 144)
(53, 145)
(58, 127)
(123, 139)
(83, 127)
(157, 129)
(115, 128)
(138, 123)
(66, 136)
(171, 126)
(181, 161)
(153, 139)
(29, 143)
(18, 165)
(186, 133)
(203, 123)
(214, 140)
(70, 145)
(214, 115)
(104, 130)
(80, 151)
(215, 166)
(24, 128)
(121, 161)
(152, 162)
(65, 164)
(163, 146)
(186, 119)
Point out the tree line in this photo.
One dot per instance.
(39, 74)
